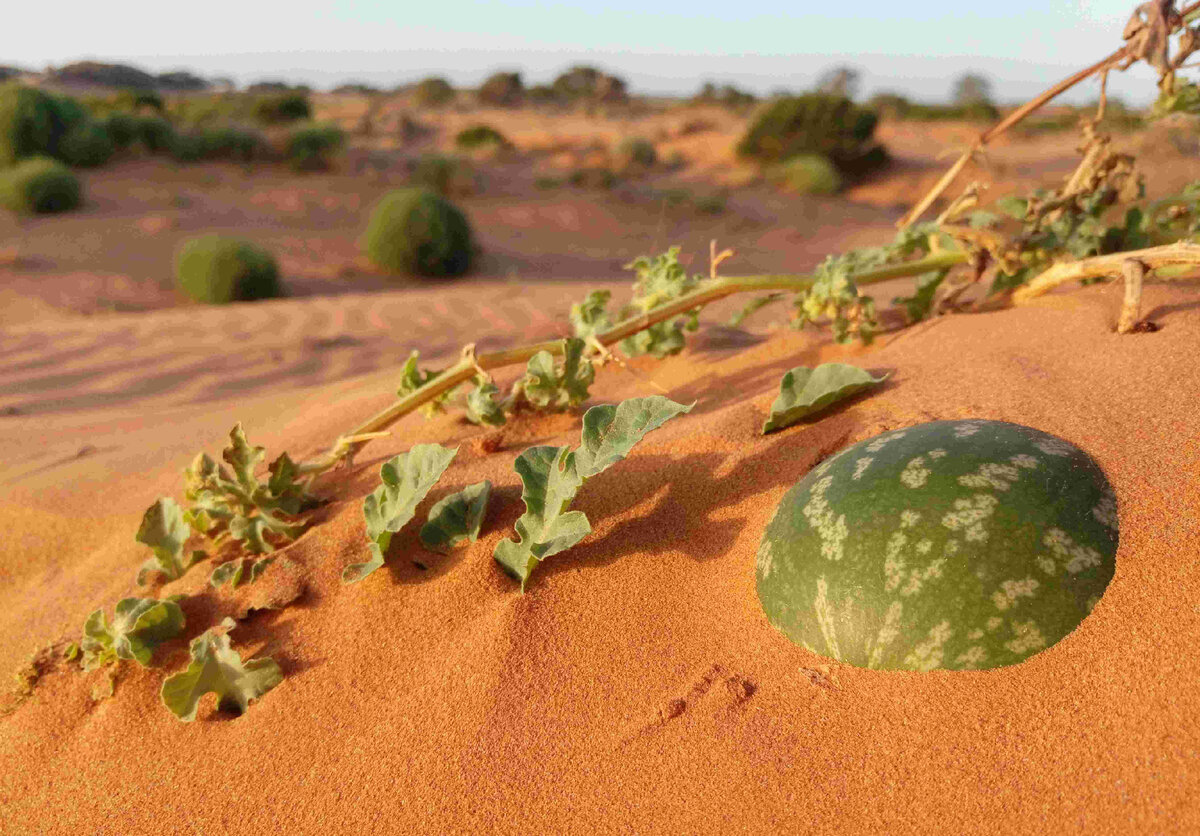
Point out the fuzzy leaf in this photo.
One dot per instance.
(217, 668)
(412, 378)
(139, 625)
(554, 386)
(549, 481)
(610, 432)
(590, 316)
(660, 279)
(482, 406)
(407, 478)
(918, 306)
(229, 572)
(243, 458)
(551, 476)
(165, 531)
(804, 391)
(456, 518)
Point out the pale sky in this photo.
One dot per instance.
(666, 46)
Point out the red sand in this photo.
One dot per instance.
(636, 686)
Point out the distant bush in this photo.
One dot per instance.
(86, 145)
(725, 95)
(636, 152)
(232, 143)
(39, 185)
(135, 100)
(281, 108)
(592, 177)
(311, 147)
(712, 204)
(155, 133)
(433, 92)
(583, 83)
(502, 90)
(416, 231)
(29, 124)
(69, 113)
(807, 174)
(815, 123)
(895, 106)
(446, 175)
(216, 269)
(189, 147)
(122, 129)
(480, 136)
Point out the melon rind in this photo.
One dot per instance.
(955, 545)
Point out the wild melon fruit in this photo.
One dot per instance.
(954, 544)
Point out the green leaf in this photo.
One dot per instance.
(549, 481)
(610, 432)
(232, 572)
(407, 478)
(139, 625)
(232, 502)
(165, 531)
(1014, 207)
(804, 391)
(551, 476)
(413, 378)
(456, 518)
(918, 306)
(590, 316)
(482, 406)
(218, 669)
(660, 279)
(558, 385)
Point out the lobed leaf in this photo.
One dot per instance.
(551, 476)
(407, 478)
(233, 571)
(918, 306)
(591, 315)
(482, 406)
(139, 625)
(558, 385)
(216, 668)
(165, 531)
(804, 391)
(456, 518)
(413, 378)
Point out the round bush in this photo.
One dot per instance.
(285, 107)
(954, 544)
(122, 129)
(480, 136)
(229, 143)
(189, 147)
(40, 185)
(86, 145)
(29, 125)
(311, 147)
(216, 269)
(817, 123)
(808, 174)
(416, 231)
(155, 133)
(433, 92)
(636, 151)
(69, 113)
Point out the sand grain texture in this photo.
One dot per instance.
(636, 686)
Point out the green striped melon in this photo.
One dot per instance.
(954, 544)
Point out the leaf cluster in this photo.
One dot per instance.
(549, 384)
(216, 668)
(659, 280)
(139, 625)
(228, 501)
(551, 477)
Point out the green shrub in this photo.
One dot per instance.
(230, 143)
(502, 90)
(29, 125)
(285, 107)
(713, 204)
(122, 129)
(636, 152)
(189, 147)
(39, 184)
(480, 136)
(69, 113)
(216, 269)
(311, 147)
(433, 92)
(807, 174)
(830, 126)
(446, 175)
(155, 133)
(86, 145)
(593, 177)
(417, 231)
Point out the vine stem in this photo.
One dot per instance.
(1104, 266)
(471, 364)
(1101, 66)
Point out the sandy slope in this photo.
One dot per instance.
(445, 701)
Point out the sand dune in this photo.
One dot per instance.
(636, 686)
